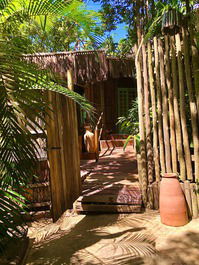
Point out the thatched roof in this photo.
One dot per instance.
(87, 66)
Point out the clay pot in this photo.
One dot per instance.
(89, 140)
(173, 209)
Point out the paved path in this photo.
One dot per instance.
(112, 185)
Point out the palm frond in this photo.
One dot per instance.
(22, 103)
(11, 205)
(128, 247)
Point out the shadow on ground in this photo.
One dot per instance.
(117, 240)
(102, 239)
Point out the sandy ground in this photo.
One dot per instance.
(113, 239)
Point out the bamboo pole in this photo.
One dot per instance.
(195, 63)
(192, 103)
(171, 111)
(155, 187)
(149, 150)
(159, 107)
(187, 192)
(150, 204)
(164, 108)
(182, 108)
(194, 200)
(197, 195)
(179, 143)
(154, 113)
(141, 127)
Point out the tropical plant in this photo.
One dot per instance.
(78, 28)
(22, 103)
(130, 125)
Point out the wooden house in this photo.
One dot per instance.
(109, 84)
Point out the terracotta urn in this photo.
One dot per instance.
(89, 140)
(173, 209)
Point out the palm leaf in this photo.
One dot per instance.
(22, 103)
(129, 246)
(11, 205)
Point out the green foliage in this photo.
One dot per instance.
(22, 104)
(11, 205)
(130, 124)
(120, 49)
(71, 27)
(135, 15)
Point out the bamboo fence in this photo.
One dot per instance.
(168, 88)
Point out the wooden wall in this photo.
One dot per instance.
(104, 97)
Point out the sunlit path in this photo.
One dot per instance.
(112, 185)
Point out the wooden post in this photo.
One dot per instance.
(195, 62)
(171, 111)
(155, 187)
(154, 114)
(182, 109)
(164, 108)
(54, 156)
(76, 184)
(179, 143)
(150, 197)
(159, 107)
(141, 128)
(192, 103)
(149, 150)
(187, 192)
(194, 200)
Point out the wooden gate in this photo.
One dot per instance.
(63, 152)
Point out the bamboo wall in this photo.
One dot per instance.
(167, 83)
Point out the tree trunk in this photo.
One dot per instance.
(159, 107)
(171, 111)
(154, 114)
(182, 109)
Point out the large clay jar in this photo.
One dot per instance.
(89, 140)
(173, 209)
